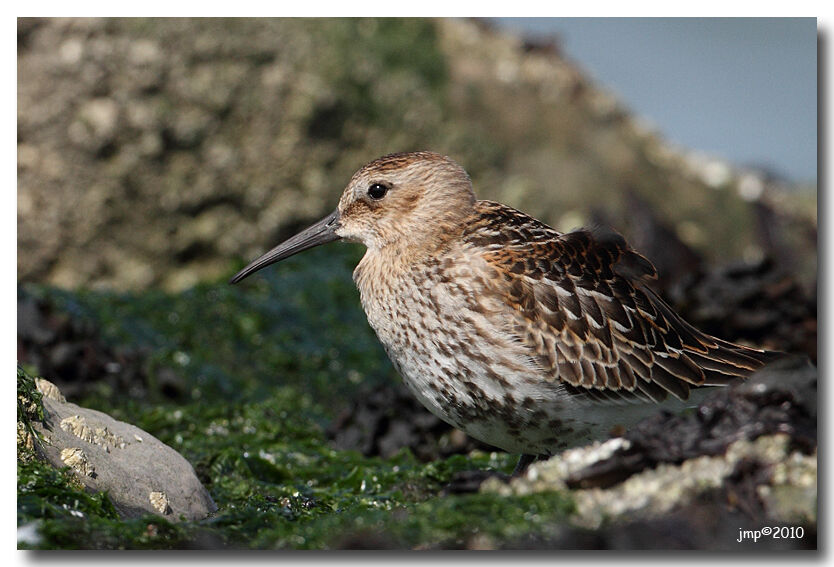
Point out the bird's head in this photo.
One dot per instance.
(409, 201)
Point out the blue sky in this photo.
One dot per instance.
(744, 89)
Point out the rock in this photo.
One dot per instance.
(119, 121)
(96, 125)
(140, 473)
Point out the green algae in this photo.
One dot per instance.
(266, 365)
(29, 402)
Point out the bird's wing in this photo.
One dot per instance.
(580, 304)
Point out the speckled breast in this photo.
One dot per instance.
(465, 368)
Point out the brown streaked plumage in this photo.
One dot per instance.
(525, 338)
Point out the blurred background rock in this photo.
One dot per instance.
(164, 152)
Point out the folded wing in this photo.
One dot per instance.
(579, 302)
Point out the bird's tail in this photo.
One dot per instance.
(721, 361)
(724, 361)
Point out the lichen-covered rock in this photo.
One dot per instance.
(74, 458)
(792, 496)
(657, 491)
(140, 473)
(157, 152)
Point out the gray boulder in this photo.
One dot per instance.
(140, 473)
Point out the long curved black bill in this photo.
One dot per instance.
(322, 232)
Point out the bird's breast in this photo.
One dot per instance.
(456, 357)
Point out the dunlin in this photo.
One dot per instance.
(525, 338)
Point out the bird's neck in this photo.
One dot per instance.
(383, 266)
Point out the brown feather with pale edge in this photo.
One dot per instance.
(616, 339)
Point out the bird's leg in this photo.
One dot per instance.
(470, 481)
(523, 462)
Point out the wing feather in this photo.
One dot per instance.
(581, 304)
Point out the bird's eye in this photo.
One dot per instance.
(377, 191)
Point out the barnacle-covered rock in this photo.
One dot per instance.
(140, 473)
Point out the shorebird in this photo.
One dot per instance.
(525, 338)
